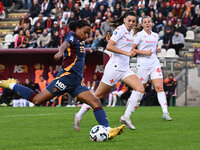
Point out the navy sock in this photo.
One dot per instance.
(24, 92)
(101, 117)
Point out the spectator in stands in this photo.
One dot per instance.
(51, 74)
(117, 11)
(150, 8)
(170, 89)
(33, 41)
(88, 41)
(59, 5)
(120, 88)
(2, 12)
(167, 38)
(153, 16)
(42, 83)
(103, 42)
(142, 9)
(189, 7)
(44, 39)
(103, 3)
(93, 7)
(108, 14)
(29, 84)
(99, 16)
(186, 18)
(55, 27)
(177, 10)
(27, 39)
(127, 4)
(19, 39)
(105, 27)
(71, 18)
(170, 25)
(62, 37)
(95, 82)
(69, 5)
(38, 29)
(45, 8)
(35, 9)
(48, 24)
(97, 38)
(40, 19)
(195, 23)
(59, 18)
(25, 3)
(168, 8)
(55, 40)
(171, 17)
(159, 22)
(64, 19)
(86, 13)
(25, 22)
(77, 11)
(178, 41)
(64, 27)
(180, 27)
(102, 11)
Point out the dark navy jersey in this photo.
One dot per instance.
(74, 56)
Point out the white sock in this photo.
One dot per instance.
(110, 99)
(163, 101)
(83, 110)
(114, 100)
(11, 85)
(134, 102)
(108, 128)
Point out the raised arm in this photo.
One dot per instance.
(62, 48)
(111, 47)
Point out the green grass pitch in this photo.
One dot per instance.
(46, 128)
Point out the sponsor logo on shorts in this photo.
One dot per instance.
(61, 86)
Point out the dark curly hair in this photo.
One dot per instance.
(78, 24)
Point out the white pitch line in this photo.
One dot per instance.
(33, 115)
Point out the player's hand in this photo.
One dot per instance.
(131, 53)
(158, 50)
(149, 52)
(57, 56)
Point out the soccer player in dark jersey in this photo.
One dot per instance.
(69, 78)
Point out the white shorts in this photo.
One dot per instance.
(112, 76)
(154, 73)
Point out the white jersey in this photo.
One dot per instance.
(124, 41)
(147, 42)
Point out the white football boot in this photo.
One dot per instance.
(166, 116)
(127, 122)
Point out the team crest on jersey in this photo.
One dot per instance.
(115, 33)
(71, 38)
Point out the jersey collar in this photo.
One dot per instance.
(123, 25)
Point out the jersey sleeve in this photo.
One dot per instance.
(70, 38)
(137, 39)
(117, 35)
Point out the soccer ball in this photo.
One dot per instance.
(98, 133)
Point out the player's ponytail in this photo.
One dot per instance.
(78, 24)
(120, 20)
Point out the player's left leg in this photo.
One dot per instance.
(158, 84)
(100, 115)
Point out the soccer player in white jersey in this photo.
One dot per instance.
(148, 64)
(117, 69)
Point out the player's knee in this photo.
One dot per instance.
(140, 89)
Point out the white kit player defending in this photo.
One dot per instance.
(148, 64)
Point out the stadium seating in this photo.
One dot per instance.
(8, 38)
(1, 45)
(34, 20)
(14, 37)
(161, 33)
(31, 20)
(171, 53)
(163, 53)
(5, 46)
(189, 35)
(160, 43)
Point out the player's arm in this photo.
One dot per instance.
(141, 52)
(111, 47)
(61, 50)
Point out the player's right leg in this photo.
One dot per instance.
(134, 100)
(26, 92)
(99, 93)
